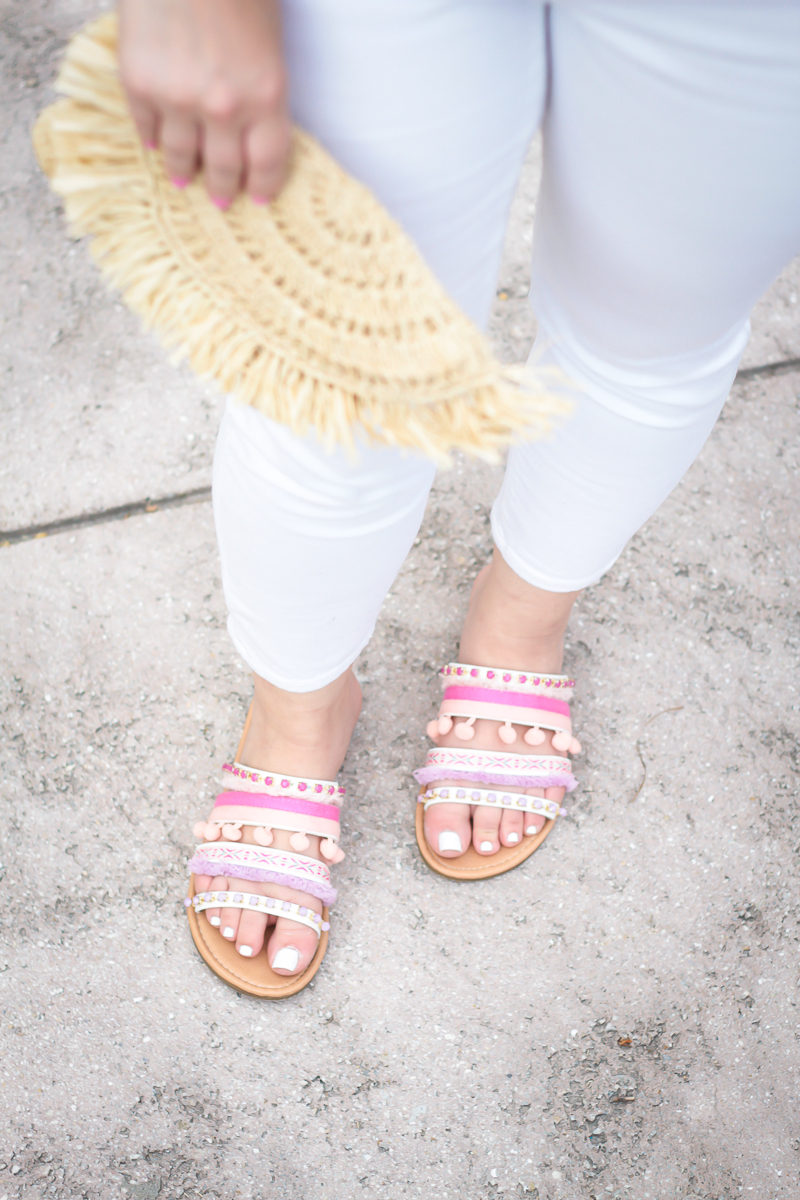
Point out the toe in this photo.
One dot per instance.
(485, 829)
(291, 947)
(447, 830)
(511, 827)
(204, 883)
(250, 935)
(228, 917)
(533, 822)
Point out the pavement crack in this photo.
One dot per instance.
(120, 512)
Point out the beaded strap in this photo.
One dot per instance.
(266, 904)
(495, 767)
(250, 779)
(537, 805)
(502, 679)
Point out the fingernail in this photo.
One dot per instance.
(214, 920)
(221, 202)
(531, 829)
(450, 841)
(246, 951)
(179, 181)
(228, 931)
(286, 959)
(486, 847)
(512, 838)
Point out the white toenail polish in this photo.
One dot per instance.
(246, 951)
(286, 959)
(214, 920)
(487, 846)
(512, 838)
(228, 931)
(450, 841)
(531, 829)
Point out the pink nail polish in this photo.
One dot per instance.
(179, 181)
(221, 202)
(151, 145)
(259, 200)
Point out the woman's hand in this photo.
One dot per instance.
(206, 82)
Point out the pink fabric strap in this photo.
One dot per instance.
(511, 714)
(292, 804)
(492, 696)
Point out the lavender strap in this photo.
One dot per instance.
(200, 865)
(433, 774)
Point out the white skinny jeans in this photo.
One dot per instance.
(670, 199)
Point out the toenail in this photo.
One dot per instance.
(531, 829)
(228, 931)
(512, 838)
(486, 846)
(214, 920)
(286, 959)
(449, 840)
(246, 951)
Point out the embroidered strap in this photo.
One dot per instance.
(537, 805)
(492, 767)
(263, 865)
(265, 904)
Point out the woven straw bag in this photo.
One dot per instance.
(317, 309)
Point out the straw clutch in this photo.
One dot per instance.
(317, 309)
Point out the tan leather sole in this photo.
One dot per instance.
(470, 864)
(251, 975)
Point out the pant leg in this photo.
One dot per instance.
(431, 103)
(670, 199)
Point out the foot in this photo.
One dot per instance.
(300, 734)
(509, 624)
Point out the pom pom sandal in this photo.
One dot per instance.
(263, 801)
(539, 701)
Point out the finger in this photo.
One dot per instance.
(146, 120)
(266, 154)
(180, 142)
(222, 161)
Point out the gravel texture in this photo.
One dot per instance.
(616, 1019)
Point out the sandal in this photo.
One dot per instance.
(512, 698)
(263, 801)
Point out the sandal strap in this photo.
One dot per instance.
(538, 805)
(504, 679)
(252, 780)
(496, 767)
(262, 865)
(267, 812)
(266, 904)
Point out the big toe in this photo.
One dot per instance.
(291, 947)
(447, 829)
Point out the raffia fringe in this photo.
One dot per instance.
(88, 147)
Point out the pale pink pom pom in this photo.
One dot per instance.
(432, 730)
(445, 724)
(575, 746)
(199, 831)
(535, 736)
(263, 835)
(331, 851)
(508, 734)
(562, 740)
(232, 832)
(212, 831)
(465, 732)
(299, 841)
